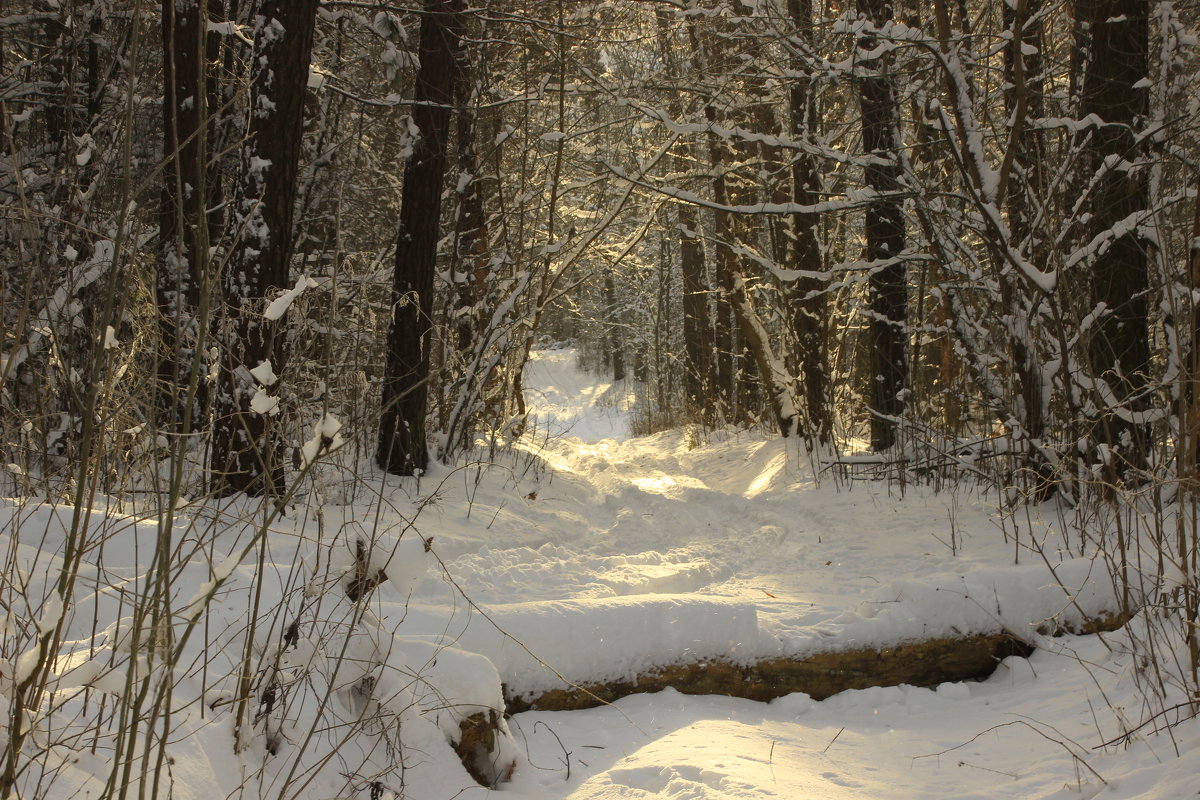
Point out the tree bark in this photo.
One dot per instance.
(402, 448)
(243, 454)
(1113, 45)
(1024, 99)
(884, 228)
(697, 327)
(612, 324)
(807, 303)
(190, 186)
(469, 268)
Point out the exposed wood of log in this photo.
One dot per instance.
(819, 675)
(477, 749)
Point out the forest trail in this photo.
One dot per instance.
(738, 518)
(664, 546)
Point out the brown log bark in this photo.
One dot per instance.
(819, 675)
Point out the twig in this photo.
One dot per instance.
(1124, 737)
(566, 752)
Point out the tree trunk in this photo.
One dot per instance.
(697, 327)
(1113, 44)
(722, 377)
(1024, 99)
(714, 58)
(884, 228)
(753, 336)
(190, 185)
(612, 340)
(469, 267)
(807, 303)
(403, 449)
(243, 454)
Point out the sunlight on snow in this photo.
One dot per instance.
(594, 450)
(667, 485)
(763, 482)
(732, 758)
(662, 484)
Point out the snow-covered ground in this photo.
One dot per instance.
(781, 563)
(587, 555)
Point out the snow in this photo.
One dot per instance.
(264, 373)
(586, 555)
(280, 305)
(263, 403)
(326, 437)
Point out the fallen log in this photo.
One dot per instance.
(819, 675)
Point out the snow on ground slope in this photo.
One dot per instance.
(767, 561)
(663, 547)
(587, 554)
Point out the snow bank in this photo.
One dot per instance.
(535, 646)
(1018, 600)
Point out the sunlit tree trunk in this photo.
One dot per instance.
(739, 308)
(710, 55)
(697, 326)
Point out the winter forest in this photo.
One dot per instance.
(599, 399)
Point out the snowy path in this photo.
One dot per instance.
(741, 522)
(636, 551)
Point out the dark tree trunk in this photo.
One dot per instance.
(1114, 42)
(403, 449)
(697, 330)
(884, 228)
(190, 186)
(243, 453)
(1024, 100)
(697, 327)
(470, 272)
(469, 267)
(807, 302)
